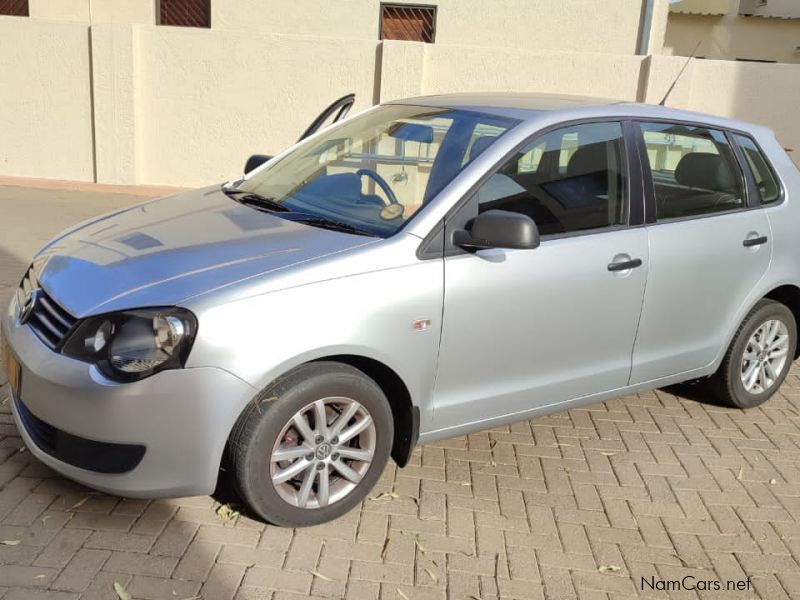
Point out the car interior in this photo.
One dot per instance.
(586, 194)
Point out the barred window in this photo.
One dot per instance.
(15, 8)
(408, 22)
(184, 13)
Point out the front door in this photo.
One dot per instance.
(524, 329)
(708, 250)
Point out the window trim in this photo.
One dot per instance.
(435, 244)
(745, 166)
(647, 174)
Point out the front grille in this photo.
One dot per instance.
(49, 321)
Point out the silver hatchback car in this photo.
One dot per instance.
(424, 269)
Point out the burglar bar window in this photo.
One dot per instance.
(408, 22)
(184, 13)
(15, 8)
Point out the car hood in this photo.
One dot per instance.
(167, 250)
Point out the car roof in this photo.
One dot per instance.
(534, 106)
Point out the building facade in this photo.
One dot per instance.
(743, 30)
(180, 92)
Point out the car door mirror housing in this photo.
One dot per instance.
(255, 161)
(498, 229)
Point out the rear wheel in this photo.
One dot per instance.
(313, 445)
(759, 356)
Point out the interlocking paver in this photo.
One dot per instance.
(578, 505)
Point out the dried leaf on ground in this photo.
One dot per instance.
(385, 548)
(321, 576)
(416, 539)
(385, 496)
(432, 575)
(740, 474)
(83, 500)
(393, 496)
(609, 569)
(10, 542)
(122, 593)
(226, 513)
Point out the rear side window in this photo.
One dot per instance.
(768, 187)
(568, 180)
(694, 170)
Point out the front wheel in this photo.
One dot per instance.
(312, 445)
(759, 356)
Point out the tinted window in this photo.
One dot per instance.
(768, 187)
(571, 179)
(694, 170)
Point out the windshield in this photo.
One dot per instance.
(373, 172)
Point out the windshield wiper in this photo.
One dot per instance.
(323, 223)
(262, 202)
(254, 199)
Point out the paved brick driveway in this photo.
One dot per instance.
(582, 504)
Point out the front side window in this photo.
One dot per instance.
(769, 189)
(568, 180)
(694, 170)
(373, 172)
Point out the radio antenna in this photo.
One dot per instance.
(686, 64)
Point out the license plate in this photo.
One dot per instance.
(13, 370)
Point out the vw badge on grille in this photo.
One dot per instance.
(26, 305)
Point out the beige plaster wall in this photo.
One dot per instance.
(45, 99)
(731, 37)
(575, 25)
(206, 99)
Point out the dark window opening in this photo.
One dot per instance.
(408, 22)
(769, 189)
(569, 180)
(14, 8)
(694, 170)
(184, 13)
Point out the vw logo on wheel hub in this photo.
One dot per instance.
(323, 451)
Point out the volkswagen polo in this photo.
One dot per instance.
(424, 269)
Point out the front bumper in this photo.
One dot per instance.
(181, 417)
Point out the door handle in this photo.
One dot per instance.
(758, 241)
(625, 265)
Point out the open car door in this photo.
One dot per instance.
(336, 111)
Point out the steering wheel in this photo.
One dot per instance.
(381, 184)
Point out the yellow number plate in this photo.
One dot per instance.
(13, 370)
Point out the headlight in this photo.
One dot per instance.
(135, 344)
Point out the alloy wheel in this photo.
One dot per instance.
(765, 356)
(323, 452)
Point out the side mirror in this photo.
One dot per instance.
(255, 161)
(499, 229)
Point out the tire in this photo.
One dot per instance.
(728, 384)
(282, 412)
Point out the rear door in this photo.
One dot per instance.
(708, 248)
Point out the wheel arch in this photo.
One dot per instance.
(789, 296)
(405, 414)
